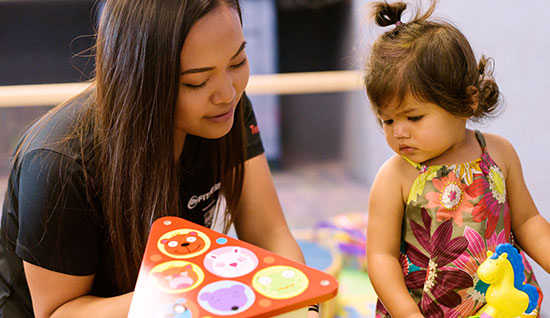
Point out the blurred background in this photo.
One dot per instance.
(324, 148)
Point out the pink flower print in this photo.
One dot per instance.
(404, 264)
(493, 202)
(382, 311)
(473, 298)
(451, 199)
(438, 281)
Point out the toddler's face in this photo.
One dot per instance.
(421, 130)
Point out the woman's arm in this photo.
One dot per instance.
(530, 228)
(260, 220)
(384, 238)
(60, 295)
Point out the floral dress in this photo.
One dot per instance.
(453, 215)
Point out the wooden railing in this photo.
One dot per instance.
(289, 83)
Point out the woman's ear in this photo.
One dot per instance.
(473, 97)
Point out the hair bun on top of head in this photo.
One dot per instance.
(388, 13)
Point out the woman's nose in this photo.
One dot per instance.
(225, 92)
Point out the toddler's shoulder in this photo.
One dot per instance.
(501, 150)
(393, 180)
(496, 142)
(397, 168)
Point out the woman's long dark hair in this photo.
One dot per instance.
(137, 81)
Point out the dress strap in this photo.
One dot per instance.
(481, 140)
(414, 164)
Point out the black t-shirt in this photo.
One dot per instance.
(73, 240)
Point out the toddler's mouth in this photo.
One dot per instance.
(406, 148)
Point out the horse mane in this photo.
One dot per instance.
(516, 260)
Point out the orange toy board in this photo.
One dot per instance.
(189, 271)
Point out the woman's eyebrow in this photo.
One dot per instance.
(243, 45)
(206, 69)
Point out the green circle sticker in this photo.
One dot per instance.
(280, 282)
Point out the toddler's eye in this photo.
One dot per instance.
(387, 122)
(415, 118)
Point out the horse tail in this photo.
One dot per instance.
(533, 294)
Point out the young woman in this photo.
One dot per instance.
(164, 129)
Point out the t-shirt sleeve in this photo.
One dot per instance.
(57, 227)
(254, 144)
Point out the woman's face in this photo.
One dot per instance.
(214, 73)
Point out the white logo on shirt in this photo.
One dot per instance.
(194, 200)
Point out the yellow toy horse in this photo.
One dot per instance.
(507, 296)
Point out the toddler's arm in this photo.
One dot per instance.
(384, 239)
(530, 228)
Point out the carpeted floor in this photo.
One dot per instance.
(318, 192)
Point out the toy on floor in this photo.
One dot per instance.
(191, 271)
(322, 258)
(347, 232)
(506, 296)
(356, 296)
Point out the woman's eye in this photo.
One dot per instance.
(387, 121)
(240, 64)
(415, 118)
(201, 85)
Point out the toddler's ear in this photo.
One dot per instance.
(473, 96)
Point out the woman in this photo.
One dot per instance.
(165, 129)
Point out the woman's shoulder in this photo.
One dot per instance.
(58, 130)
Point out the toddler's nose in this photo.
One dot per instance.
(400, 130)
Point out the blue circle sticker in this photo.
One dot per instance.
(221, 240)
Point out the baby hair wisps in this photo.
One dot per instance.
(432, 60)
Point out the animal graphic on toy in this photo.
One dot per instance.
(230, 261)
(177, 276)
(507, 295)
(226, 297)
(280, 282)
(183, 243)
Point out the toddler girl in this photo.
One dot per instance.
(449, 194)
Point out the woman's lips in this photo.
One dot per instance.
(222, 117)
